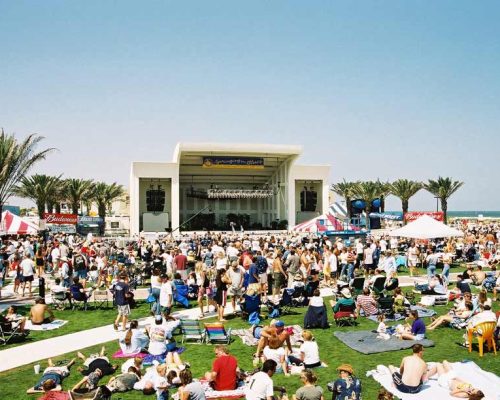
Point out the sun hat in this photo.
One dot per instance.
(297, 277)
(346, 367)
(346, 293)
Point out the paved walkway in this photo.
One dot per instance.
(41, 350)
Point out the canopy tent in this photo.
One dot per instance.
(15, 225)
(338, 210)
(426, 227)
(324, 223)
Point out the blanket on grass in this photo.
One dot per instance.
(246, 335)
(422, 313)
(56, 324)
(468, 371)
(366, 342)
(212, 394)
(121, 354)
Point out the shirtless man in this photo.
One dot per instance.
(274, 329)
(412, 373)
(38, 311)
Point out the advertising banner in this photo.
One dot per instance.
(60, 219)
(58, 228)
(89, 220)
(413, 215)
(233, 162)
(394, 217)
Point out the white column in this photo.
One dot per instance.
(175, 202)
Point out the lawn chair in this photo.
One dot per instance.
(250, 305)
(345, 316)
(216, 333)
(8, 332)
(386, 306)
(299, 298)
(181, 295)
(358, 284)
(79, 302)
(379, 285)
(286, 301)
(484, 334)
(191, 330)
(101, 298)
(60, 299)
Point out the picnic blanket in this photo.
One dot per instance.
(121, 354)
(212, 394)
(56, 324)
(366, 342)
(246, 335)
(422, 313)
(148, 359)
(468, 371)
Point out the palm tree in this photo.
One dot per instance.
(16, 159)
(56, 195)
(443, 188)
(38, 188)
(404, 189)
(384, 191)
(367, 191)
(104, 195)
(346, 190)
(76, 191)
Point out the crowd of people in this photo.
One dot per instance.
(210, 268)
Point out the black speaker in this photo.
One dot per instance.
(303, 201)
(312, 200)
(155, 200)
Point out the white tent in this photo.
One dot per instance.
(14, 225)
(426, 227)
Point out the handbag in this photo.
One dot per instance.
(150, 299)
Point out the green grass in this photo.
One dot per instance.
(333, 352)
(78, 320)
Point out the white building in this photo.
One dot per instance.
(211, 185)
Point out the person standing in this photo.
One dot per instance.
(180, 264)
(28, 270)
(431, 260)
(121, 292)
(236, 274)
(292, 265)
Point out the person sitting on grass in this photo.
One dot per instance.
(310, 391)
(412, 373)
(15, 319)
(347, 386)
(400, 303)
(367, 303)
(224, 374)
(275, 351)
(190, 390)
(448, 379)
(53, 376)
(309, 353)
(417, 329)
(38, 312)
(133, 340)
(261, 386)
(96, 361)
(456, 318)
(275, 329)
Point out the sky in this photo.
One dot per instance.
(376, 89)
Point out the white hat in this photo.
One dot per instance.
(346, 293)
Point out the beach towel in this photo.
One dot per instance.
(149, 358)
(212, 394)
(366, 342)
(468, 371)
(422, 313)
(56, 324)
(247, 338)
(120, 354)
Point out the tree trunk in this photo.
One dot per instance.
(444, 209)
(348, 208)
(58, 207)
(382, 204)
(404, 204)
(368, 208)
(74, 208)
(101, 209)
(1, 211)
(41, 209)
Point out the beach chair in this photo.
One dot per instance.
(181, 295)
(216, 333)
(101, 298)
(286, 301)
(484, 334)
(357, 285)
(191, 330)
(8, 332)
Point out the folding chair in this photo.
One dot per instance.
(358, 284)
(345, 316)
(250, 305)
(8, 332)
(386, 306)
(191, 330)
(79, 303)
(286, 301)
(101, 298)
(379, 285)
(60, 299)
(216, 333)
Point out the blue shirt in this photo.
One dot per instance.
(418, 327)
(346, 389)
(253, 270)
(120, 289)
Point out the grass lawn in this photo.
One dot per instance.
(78, 320)
(333, 352)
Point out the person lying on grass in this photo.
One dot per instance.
(97, 361)
(448, 379)
(53, 376)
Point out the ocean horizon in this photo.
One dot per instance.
(463, 214)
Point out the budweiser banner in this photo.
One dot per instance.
(60, 219)
(412, 216)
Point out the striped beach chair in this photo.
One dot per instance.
(191, 330)
(216, 333)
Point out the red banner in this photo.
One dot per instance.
(412, 216)
(60, 219)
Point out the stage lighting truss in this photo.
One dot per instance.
(239, 193)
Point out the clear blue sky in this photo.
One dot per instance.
(377, 89)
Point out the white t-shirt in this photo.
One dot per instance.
(55, 254)
(232, 251)
(316, 301)
(274, 354)
(165, 292)
(311, 352)
(260, 387)
(28, 267)
(332, 260)
(236, 276)
(383, 245)
(157, 340)
(221, 263)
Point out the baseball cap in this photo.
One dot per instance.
(279, 324)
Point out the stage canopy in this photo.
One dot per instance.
(426, 227)
(15, 225)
